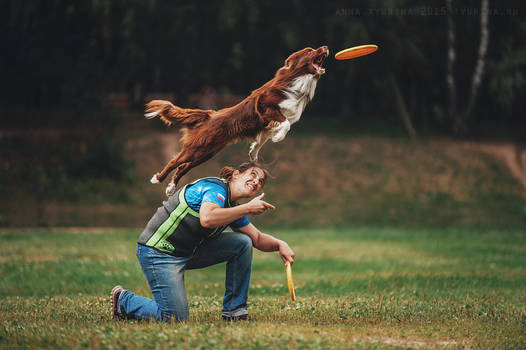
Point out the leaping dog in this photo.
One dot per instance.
(266, 114)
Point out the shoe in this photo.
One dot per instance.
(114, 296)
(244, 317)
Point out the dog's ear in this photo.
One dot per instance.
(291, 60)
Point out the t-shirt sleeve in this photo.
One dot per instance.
(215, 194)
(241, 222)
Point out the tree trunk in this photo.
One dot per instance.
(402, 109)
(481, 61)
(462, 119)
(451, 55)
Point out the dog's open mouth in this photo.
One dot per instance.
(318, 62)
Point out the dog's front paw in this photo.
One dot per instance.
(281, 131)
(253, 152)
(273, 124)
(279, 137)
(154, 179)
(170, 189)
(253, 156)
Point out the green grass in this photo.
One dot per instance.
(359, 288)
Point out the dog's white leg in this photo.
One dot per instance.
(151, 115)
(154, 179)
(280, 131)
(253, 151)
(256, 146)
(170, 189)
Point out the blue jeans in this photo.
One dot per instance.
(165, 275)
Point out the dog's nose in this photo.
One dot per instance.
(324, 49)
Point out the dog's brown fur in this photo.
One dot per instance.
(206, 132)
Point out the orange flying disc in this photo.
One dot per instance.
(355, 51)
(290, 282)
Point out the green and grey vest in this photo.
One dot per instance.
(175, 228)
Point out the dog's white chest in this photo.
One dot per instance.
(297, 95)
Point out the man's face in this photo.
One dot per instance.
(249, 182)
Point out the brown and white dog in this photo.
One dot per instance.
(266, 114)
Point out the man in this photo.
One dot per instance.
(187, 233)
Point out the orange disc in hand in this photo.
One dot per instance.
(290, 281)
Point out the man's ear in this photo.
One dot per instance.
(235, 174)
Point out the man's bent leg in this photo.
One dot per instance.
(165, 275)
(236, 249)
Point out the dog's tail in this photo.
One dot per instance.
(171, 114)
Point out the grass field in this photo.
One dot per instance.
(359, 288)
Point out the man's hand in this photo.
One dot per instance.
(287, 254)
(257, 205)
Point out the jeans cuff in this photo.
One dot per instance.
(120, 310)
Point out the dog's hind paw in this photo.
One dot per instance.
(170, 189)
(151, 115)
(154, 179)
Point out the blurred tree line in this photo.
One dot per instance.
(68, 55)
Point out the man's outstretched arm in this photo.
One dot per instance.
(268, 243)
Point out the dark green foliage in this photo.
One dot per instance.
(64, 54)
(60, 166)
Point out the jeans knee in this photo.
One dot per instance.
(245, 242)
(169, 314)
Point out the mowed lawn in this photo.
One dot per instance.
(356, 288)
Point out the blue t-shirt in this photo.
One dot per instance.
(208, 191)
